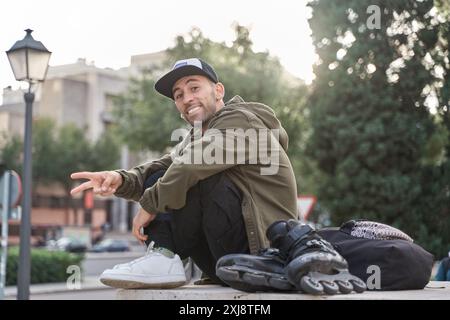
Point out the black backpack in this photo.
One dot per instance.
(400, 263)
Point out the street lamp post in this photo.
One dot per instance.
(29, 61)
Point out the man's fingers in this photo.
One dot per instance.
(134, 233)
(107, 182)
(143, 239)
(110, 192)
(83, 175)
(81, 187)
(138, 235)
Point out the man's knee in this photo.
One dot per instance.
(217, 186)
(213, 186)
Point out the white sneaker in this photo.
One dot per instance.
(159, 268)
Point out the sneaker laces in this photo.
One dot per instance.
(151, 250)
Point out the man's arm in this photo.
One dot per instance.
(134, 179)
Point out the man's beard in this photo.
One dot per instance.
(209, 115)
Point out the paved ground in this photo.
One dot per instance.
(433, 291)
(103, 294)
(92, 289)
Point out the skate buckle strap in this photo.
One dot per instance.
(294, 236)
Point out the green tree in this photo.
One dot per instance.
(75, 153)
(145, 120)
(373, 136)
(444, 7)
(11, 152)
(105, 152)
(44, 152)
(59, 151)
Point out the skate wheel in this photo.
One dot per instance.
(330, 287)
(344, 286)
(311, 286)
(358, 285)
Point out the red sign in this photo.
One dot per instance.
(15, 190)
(89, 200)
(305, 205)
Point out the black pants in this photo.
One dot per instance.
(208, 227)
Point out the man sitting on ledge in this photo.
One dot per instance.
(215, 194)
(219, 197)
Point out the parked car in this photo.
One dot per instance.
(111, 245)
(67, 244)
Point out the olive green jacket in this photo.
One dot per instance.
(267, 182)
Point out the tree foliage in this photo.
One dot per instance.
(11, 152)
(58, 152)
(145, 120)
(382, 152)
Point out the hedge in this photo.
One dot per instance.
(46, 266)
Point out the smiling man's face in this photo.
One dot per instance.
(197, 98)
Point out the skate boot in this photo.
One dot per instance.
(251, 273)
(312, 264)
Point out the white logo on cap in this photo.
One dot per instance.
(188, 62)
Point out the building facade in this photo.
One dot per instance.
(82, 94)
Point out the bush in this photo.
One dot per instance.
(46, 266)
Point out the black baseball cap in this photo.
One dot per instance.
(183, 68)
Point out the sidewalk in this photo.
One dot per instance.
(435, 290)
(87, 284)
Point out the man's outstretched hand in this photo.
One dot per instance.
(104, 183)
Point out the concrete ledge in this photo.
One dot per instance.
(435, 290)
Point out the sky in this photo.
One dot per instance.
(109, 32)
